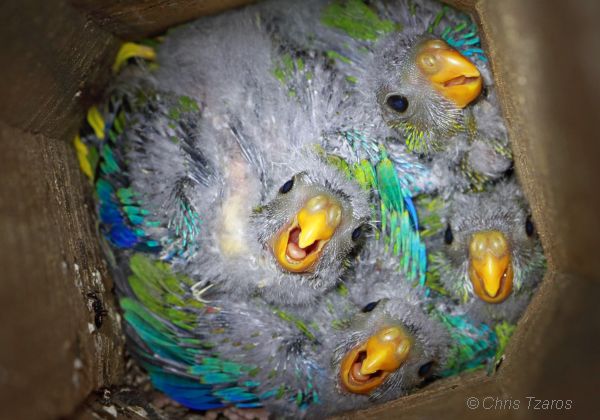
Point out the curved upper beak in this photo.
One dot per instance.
(386, 351)
(490, 266)
(366, 366)
(450, 73)
(298, 246)
(318, 220)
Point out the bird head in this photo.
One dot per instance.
(422, 86)
(489, 247)
(311, 225)
(389, 348)
(299, 244)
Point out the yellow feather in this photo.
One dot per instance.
(82, 155)
(96, 121)
(129, 50)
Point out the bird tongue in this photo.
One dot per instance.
(460, 80)
(356, 375)
(293, 249)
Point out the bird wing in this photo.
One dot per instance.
(207, 356)
(282, 343)
(347, 31)
(161, 314)
(473, 346)
(152, 179)
(392, 205)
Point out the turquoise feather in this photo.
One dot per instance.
(163, 314)
(397, 214)
(123, 219)
(473, 346)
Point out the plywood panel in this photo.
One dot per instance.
(547, 78)
(51, 62)
(52, 354)
(132, 19)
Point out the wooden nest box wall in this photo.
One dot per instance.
(55, 58)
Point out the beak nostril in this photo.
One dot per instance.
(403, 348)
(489, 242)
(480, 246)
(428, 62)
(334, 215)
(390, 334)
(316, 203)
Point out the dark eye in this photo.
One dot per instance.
(529, 226)
(425, 369)
(356, 233)
(369, 306)
(398, 103)
(285, 188)
(484, 92)
(448, 237)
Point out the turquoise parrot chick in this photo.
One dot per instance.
(235, 196)
(486, 253)
(420, 76)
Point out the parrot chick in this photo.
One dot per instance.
(333, 356)
(487, 254)
(390, 349)
(422, 86)
(392, 345)
(432, 96)
(246, 200)
(416, 69)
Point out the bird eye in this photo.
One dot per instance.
(529, 226)
(356, 233)
(369, 306)
(398, 103)
(285, 188)
(448, 237)
(425, 369)
(484, 91)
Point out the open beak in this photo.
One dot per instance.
(366, 366)
(297, 247)
(449, 72)
(490, 266)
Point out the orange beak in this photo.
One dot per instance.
(366, 366)
(298, 246)
(490, 266)
(450, 73)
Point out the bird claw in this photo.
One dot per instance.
(198, 293)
